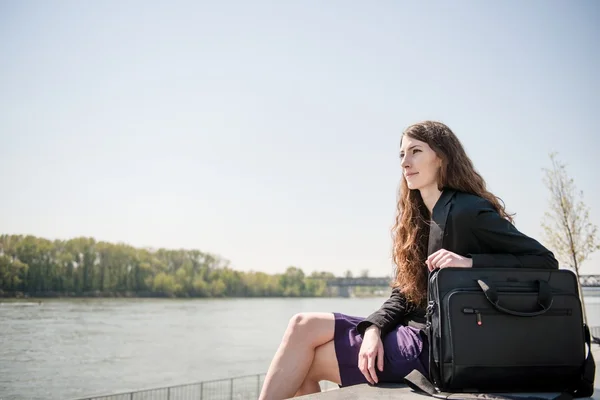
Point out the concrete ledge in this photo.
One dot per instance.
(403, 392)
(400, 392)
(365, 391)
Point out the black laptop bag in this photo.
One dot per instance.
(499, 330)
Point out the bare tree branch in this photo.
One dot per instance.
(568, 231)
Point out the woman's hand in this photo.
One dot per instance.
(444, 258)
(371, 351)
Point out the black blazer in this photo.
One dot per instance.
(467, 225)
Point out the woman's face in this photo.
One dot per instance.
(420, 164)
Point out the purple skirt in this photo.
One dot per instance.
(405, 349)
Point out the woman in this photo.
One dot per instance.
(446, 218)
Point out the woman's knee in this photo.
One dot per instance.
(316, 328)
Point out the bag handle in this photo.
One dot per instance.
(545, 299)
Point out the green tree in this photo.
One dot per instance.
(12, 273)
(165, 284)
(218, 288)
(83, 266)
(292, 282)
(200, 287)
(316, 287)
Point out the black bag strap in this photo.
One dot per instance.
(585, 388)
(420, 384)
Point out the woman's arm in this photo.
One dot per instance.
(389, 315)
(506, 246)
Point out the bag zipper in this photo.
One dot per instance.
(483, 311)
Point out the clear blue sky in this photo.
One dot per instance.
(267, 132)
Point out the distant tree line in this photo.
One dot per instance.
(35, 266)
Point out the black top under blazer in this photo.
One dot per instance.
(467, 225)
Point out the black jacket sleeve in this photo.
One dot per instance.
(389, 315)
(504, 245)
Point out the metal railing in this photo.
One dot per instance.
(238, 388)
(595, 332)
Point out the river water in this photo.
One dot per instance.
(70, 348)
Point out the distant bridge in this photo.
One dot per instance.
(350, 282)
(589, 280)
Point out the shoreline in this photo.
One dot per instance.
(37, 296)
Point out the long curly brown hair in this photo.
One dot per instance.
(411, 229)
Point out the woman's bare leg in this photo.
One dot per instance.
(308, 387)
(323, 368)
(296, 353)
